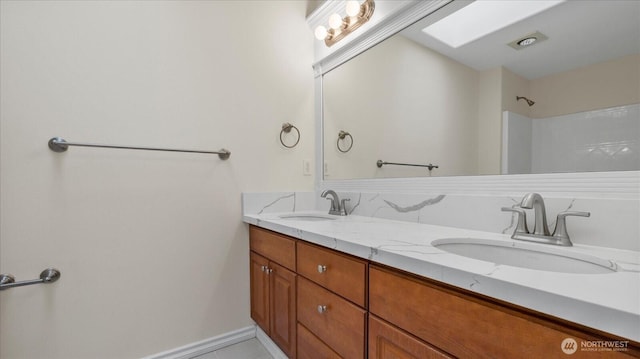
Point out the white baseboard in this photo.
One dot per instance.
(208, 345)
(271, 347)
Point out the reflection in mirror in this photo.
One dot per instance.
(569, 102)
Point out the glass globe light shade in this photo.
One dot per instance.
(353, 8)
(321, 32)
(335, 21)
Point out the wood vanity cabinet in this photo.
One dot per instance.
(452, 322)
(273, 287)
(331, 303)
(310, 300)
(315, 302)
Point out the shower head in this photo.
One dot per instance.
(529, 102)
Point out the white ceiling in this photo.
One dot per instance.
(581, 33)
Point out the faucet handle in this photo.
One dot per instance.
(561, 225)
(574, 213)
(343, 206)
(522, 218)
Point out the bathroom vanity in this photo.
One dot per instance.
(353, 296)
(412, 285)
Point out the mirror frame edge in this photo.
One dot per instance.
(614, 185)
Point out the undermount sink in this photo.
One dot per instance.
(307, 217)
(526, 255)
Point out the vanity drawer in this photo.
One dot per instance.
(310, 347)
(276, 247)
(339, 323)
(387, 341)
(339, 273)
(463, 325)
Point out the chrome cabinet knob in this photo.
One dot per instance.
(321, 268)
(263, 268)
(322, 309)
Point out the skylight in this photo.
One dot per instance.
(484, 17)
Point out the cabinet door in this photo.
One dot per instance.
(389, 342)
(283, 308)
(259, 284)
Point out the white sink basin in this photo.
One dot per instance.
(307, 217)
(526, 255)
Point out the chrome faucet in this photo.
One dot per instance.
(337, 207)
(535, 201)
(540, 233)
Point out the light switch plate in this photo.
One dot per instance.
(306, 167)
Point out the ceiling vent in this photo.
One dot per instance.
(527, 40)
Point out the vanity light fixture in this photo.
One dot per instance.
(482, 18)
(356, 15)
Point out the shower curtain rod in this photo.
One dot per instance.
(58, 144)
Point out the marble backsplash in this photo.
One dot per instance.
(613, 223)
(276, 202)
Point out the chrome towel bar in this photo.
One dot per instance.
(49, 275)
(380, 163)
(57, 144)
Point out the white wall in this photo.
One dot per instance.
(402, 103)
(151, 246)
(488, 134)
(602, 85)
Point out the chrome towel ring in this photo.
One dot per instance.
(286, 128)
(341, 136)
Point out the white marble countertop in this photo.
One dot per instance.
(609, 302)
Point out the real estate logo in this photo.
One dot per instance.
(569, 346)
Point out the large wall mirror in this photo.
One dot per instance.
(567, 102)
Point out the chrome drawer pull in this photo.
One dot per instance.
(321, 268)
(322, 309)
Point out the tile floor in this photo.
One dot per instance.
(250, 349)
